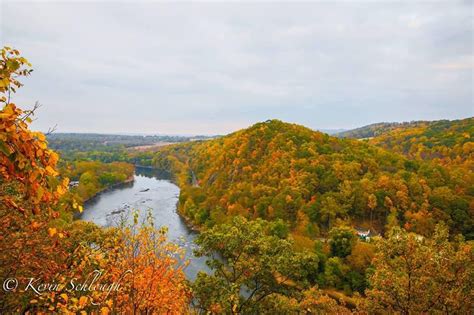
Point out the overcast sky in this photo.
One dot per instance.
(209, 68)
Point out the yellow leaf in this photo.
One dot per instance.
(109, 303)
(52, 232)
(82, 301)
(60, 189)
(64, 296)
(40, 136)
(65, 182)
(51, 171)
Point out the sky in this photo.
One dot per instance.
(212, 68)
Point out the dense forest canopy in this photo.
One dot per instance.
(376, 129)
(275, 170)
(444, 141)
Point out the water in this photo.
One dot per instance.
(151, 191)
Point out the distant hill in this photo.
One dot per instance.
(331, 131)
(275, 170)
(444, 141)
(376, 129)
(77, 142)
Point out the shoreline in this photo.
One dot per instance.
(116, 185)
(188, 222)
(78, 215)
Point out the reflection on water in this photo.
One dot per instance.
(152, 191)
(153, 172)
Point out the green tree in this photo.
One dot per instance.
(341, 241)
(280, 228)
(335, 272)
(250, 266)
(330, 210)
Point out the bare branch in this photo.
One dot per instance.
(31, 112)
(51, 130)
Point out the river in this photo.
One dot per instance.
(151, 191)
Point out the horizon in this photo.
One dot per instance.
(152, 68)
(330, 131)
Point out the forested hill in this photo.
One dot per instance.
(276, 170)
(449, 142)
(445, 141)
(377, 129)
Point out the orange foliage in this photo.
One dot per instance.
(156, 281)
(24, 156)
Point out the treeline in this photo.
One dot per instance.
(449, 143)
(374, 130)
(71, 145)
(87, 178)
(275, 170)
(445, 142)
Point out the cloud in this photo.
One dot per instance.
(463, 63)
(215, 67)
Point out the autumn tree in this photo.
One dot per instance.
(30, 190)
(250, 266)
(136, 256)
(27, 166)
(414, 274)
(155, 283)
(308, 301)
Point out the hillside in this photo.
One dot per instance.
(376, 129)
(444, 141)
(447, 142)
(276, 170)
